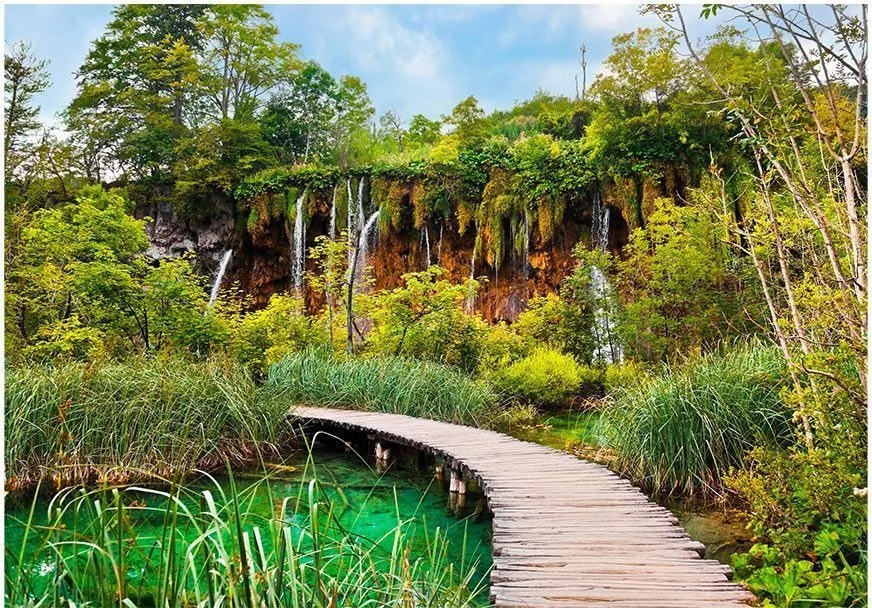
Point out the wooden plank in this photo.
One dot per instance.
(566, 532)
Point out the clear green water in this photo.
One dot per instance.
(563, 429)
(366, 505)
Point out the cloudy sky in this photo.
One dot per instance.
(414, 59)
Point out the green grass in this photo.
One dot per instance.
(123, 421)
(386, 384)
(680, 430)
(212, 548)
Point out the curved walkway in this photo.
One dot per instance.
(566, 532)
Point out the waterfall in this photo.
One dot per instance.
(360, 215)
(363, 246)
(607, 348)
(526, 245)
(439, 246)
(599, 224)
(426, 236)
(470, 298)
(298, 243)
(222, 268)
(331, 231)
(349, 227)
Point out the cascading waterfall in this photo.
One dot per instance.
(607, 348)
(600, 224)
(526, 245)
(439, 246)
(426, 237)
(470, 299)
(331, 231)
(299, 243)
(350, 224)
(363, 247)
(222, 268)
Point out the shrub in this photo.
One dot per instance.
(425, 319)
(265, 336)
(808, 507)
(622, 375)
(385, 384)
(546, 377)
(74, 423)
(682, 429)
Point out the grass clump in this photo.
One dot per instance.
(215, 548)
(120, 421)
(682, 429)
(395, 385)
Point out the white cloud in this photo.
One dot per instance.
(403, 62)
(623, 17)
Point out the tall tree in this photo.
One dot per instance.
(242, 58)
(26, 77)
(138, 90)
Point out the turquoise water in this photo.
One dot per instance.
(359, 502)
(561, 430)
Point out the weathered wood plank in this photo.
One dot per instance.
(567, 532)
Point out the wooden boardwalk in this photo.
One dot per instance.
(566, 532)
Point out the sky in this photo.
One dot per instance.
(414, 58)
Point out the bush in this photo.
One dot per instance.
(114, 422)
(808, 507)
(383, 384)
(425, 319)
(265, 336)
(682, 429)
(546, 377)
(622, 375)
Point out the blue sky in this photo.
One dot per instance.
(414, 58)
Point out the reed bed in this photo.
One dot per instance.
(119, 422)
(386, 384)
(213, 549)
(679, 431)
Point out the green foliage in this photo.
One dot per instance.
(809, 506)
(680, 292)
(684, 428)
(425, 319)
(264, 336)
(385, 384)
(80, 277)
(74, 424)
(296, 556)
(546, 377)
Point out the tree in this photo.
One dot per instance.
(242, 59)
(354, 112)
(298, 119)
(391, 132)
(467, 119)
(423, 131)
(138, 90)
(804, 131)
(425, 318)
(80, 274)
(26, 77)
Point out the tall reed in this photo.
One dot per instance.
(121, 421)
(385, 384)
(680, 430)
(212, 548)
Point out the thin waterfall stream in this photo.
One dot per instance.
(607, 349)
(222, 269)
(298, 243)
